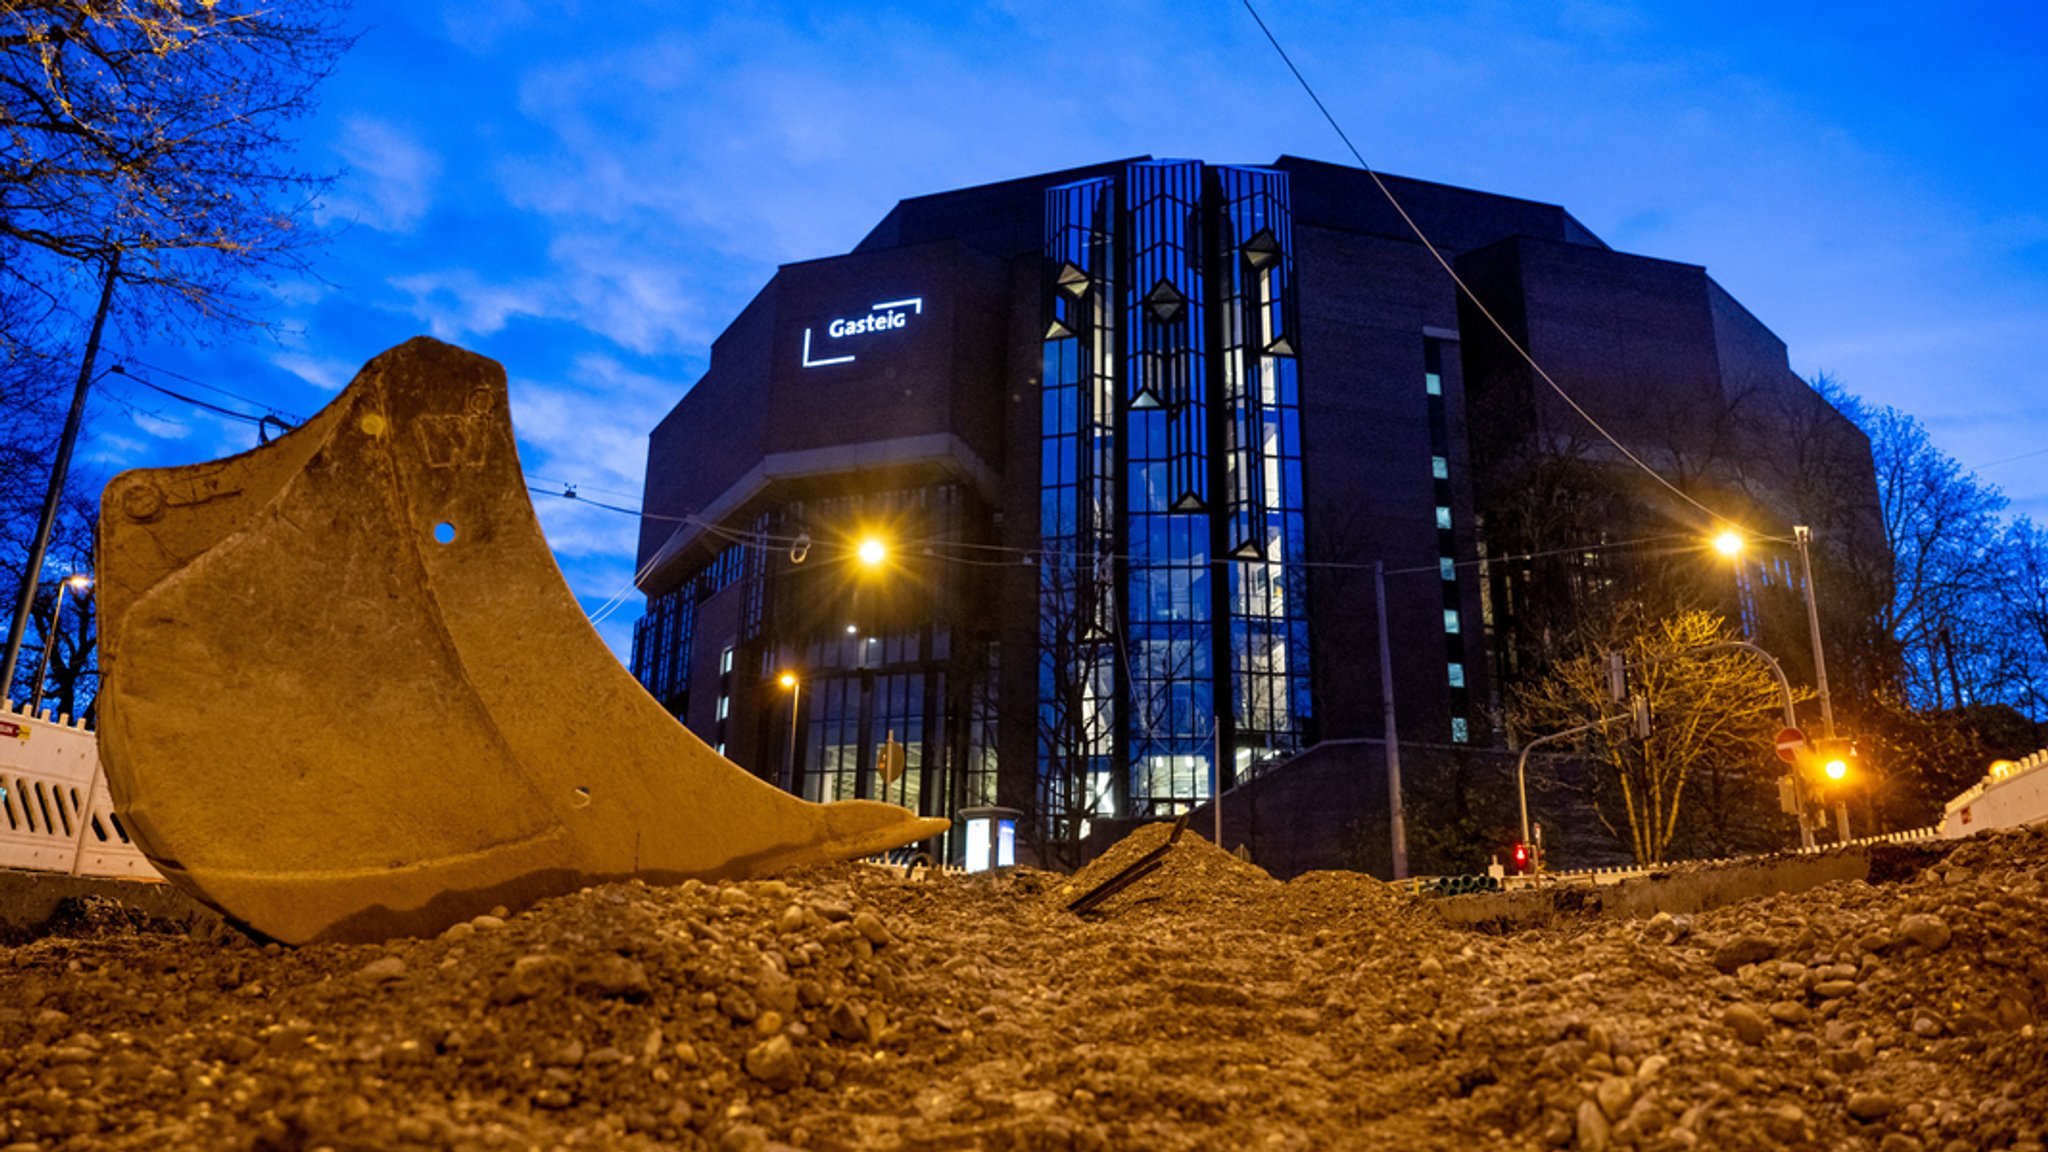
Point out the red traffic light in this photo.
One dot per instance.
(1521, 857)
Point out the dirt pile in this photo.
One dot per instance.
(1208, 1006)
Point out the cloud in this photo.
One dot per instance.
(327, 373)
(390, 181)
(479, 28)
(460, 302)
(645, 300)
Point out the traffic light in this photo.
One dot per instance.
(1520, 857)
(1835, 761)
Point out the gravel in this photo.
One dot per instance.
(1208, 1006)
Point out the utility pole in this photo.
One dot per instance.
(1398, 819)
(31, 576)
(1803, 535)
(1216, 785)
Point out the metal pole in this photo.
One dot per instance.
(1784, 685)
(1803, 534)
(1397, 818)
(31, 576)
(796, 691)
(1791, 717)
(1522, 762)
(1216, 786)
(35, 699)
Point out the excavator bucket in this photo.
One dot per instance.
(348, 696)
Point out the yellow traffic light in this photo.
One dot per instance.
(1836, 760)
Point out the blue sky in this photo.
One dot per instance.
(588, 192)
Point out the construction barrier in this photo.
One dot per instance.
(48, 765)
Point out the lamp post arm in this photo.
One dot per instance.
(1522, 762)
(1784, 685)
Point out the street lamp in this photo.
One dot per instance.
(1729, 543)
(872, 552)
(78, 583)
(796, 688)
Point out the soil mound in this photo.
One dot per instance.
(1191, 871)
(1208, 1006)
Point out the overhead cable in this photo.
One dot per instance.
(1463, 288)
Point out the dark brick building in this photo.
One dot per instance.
(1135, 437)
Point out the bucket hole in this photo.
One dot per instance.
(444, 532)
(579, 798)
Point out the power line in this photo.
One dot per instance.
(1463, 288)
(769, 542)
(1009, 556)
(207, 405)
(201, 384)
(2012, 459)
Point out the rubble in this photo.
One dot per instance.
(1208, 1006)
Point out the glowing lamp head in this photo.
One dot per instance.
(787, 679)
(1836, 768)
(872, 552)
(80, 582)
(1728, 543)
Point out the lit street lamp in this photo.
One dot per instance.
(78, 583)
(796, 688)
(1729, 543)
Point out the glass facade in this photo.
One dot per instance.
(1171, 582)
(895, 657)
(664, 636)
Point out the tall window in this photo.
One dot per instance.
(1447, 540)
(1171, 572)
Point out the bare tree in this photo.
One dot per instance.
(1077, 708)
(157, 130)
(1940, 523)
(1714, 713)
(145, 151)
(2023, 590)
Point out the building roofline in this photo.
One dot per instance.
(942, 452)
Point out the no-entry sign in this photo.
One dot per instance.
(1790, 741)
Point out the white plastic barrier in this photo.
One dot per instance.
(47, 767)
(2010, 795)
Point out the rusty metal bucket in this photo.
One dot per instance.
(347, 694)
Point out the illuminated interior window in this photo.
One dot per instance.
(1443, 516)
(1439, 467)
(1434, 383)
(1457, 675)
(1450, 619)
(1460, 732)
(1448, 567)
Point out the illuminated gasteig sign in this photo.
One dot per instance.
(888, 316)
